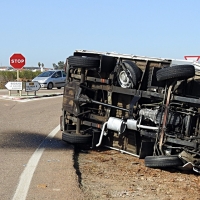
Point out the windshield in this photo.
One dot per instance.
(46, 74)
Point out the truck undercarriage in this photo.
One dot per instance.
(142, 106)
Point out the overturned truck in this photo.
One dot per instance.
(143, 106)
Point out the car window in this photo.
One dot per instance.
(64, 74)
(46, 74)
(57, 75)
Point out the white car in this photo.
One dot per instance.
(50, 79)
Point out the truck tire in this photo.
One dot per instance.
(76, 138)
(128, 77)
(178, 71)
(83, 62)
(162, 161)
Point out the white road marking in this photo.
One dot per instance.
(27, 174)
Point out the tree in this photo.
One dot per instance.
(55, 66)
(60, 65)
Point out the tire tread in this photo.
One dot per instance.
(177, 71)
(76, 138)
(87, 62)
(162, 161)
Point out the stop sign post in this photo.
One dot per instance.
(17, 61)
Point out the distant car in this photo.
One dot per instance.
(50, 79)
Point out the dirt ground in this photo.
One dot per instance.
(108, 174)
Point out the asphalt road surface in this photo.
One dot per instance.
(35, 163)
(39, 92)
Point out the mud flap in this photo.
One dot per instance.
(61, 123)
(146, 149)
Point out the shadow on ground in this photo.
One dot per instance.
(30, 140)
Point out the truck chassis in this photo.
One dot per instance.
(142, 106)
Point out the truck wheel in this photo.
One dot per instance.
(50, 86)
(162, 161)
(76, 138)
(128, 75)
(83, 62)
(178, 71)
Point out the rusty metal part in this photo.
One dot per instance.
(85, 99)
(109, 102)
(78, 124)
(165, 118)
(97, 117)
(108, 105)
(122, 151)
(92, 79)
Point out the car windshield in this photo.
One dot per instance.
(46, 74)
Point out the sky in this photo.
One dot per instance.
(49, 31)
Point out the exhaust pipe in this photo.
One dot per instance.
(119, 125)
(132, 124)
(114, 124)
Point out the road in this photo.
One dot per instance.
(35, 163)
(42, 91)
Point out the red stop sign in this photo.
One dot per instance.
(17, 61)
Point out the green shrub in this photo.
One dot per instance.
(8, 75)
(27, 74)
(23, 74)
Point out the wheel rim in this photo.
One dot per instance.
(50, 86)
(124, 79)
